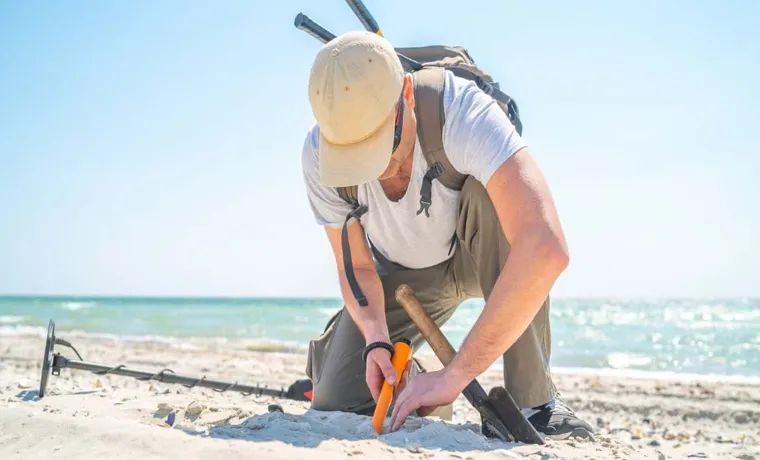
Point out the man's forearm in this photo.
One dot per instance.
(370, 319)
(531, 269)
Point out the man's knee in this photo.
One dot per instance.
(323, 400)
(353, 396)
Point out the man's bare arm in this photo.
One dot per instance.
(370, 319)
(537, 257)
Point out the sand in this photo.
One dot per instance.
(88, 416)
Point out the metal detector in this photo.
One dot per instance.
(53, 362)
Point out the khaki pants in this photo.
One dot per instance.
(334, 361)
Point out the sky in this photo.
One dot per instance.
(153, 148)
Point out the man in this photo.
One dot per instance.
(508, 247)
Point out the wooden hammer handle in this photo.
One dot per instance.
(433, 335)
(499, 408)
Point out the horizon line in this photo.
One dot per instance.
(339, 299)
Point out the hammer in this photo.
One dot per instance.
(498, 409)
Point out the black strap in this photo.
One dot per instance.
(426, 199)
(453, 242)
(348, 265)
(374, 345)
(426, 193)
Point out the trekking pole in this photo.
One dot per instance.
(304, 23)
(361, 11)
(369, 23)
(309, 26)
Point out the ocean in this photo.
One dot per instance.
(708, 337)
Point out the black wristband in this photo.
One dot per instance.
(374, 345)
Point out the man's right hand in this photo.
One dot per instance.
(379, 368)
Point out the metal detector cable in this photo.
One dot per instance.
(65, 343)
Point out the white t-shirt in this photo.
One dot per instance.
(477, 137)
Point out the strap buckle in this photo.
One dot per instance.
(358, 211)
(424, 206)
(437, 169)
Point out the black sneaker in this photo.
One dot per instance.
(557, 421)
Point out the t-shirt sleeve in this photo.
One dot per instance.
(327, 206)
(477, 135)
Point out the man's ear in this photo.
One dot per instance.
(409, 91)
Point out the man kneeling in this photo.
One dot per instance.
(390, 220)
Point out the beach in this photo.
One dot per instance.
(85, 415)
(169, 171)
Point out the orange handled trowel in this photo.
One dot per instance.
(401, 356)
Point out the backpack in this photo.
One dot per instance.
(428, 94)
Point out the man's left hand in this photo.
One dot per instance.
(424, 393)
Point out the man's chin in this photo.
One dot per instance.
(389, 174)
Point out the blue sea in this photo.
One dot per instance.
(710, 337)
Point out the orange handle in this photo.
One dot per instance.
(401, 356)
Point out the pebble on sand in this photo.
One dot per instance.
(164, 406)
(741, 417)
(195, 408)
(275, 408)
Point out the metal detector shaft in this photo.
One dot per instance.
(166, 376)
(53, 362)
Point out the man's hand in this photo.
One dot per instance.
(371, 319)
(424, 393)
(379, 368)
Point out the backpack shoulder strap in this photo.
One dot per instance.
(428, 108)
(349, 194)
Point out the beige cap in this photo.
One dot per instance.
(354, 85)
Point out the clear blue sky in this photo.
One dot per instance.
(154, 147)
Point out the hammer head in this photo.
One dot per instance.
(510, 414)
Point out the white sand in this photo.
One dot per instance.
(113, 417)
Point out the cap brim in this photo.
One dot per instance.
(358, 163)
